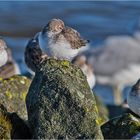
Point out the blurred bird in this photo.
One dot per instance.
(133, 98)
(63, 42)
(116, 63)
(3, 52)
(10, 68)
(33, 55)
(87, 69)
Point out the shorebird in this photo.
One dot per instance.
(87, 69)
(3, 52)
(33, 55)
(63, 42)
(133, 98)
(10, 68)
(116, 62)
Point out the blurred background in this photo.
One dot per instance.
(96, 21)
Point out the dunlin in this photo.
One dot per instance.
(63, 42)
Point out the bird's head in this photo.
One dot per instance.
(2, 44)
(54, 27)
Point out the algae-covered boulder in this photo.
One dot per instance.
(12, 126)
(122, 127)
(60, 103)
(12, 94)
(5, 124)
(102, 109)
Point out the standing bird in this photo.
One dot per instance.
(87, 69)
(33, 55)
(3, 52)
(133, 98)
(63, 42)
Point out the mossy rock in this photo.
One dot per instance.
(102, 110)
(60, 103)
(13, 92)
(5, 124)
(122, 127)
(12, 126)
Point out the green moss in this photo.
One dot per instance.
(122, 127)
(5, 125)
(65, 63)
(62, 99)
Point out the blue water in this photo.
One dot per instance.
(94, 20)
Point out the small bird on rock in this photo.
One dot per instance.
(3, 52)
(33, 55)
(133, 98)
(87, 69)
(10, 68)
(63, 42)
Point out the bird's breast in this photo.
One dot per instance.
(62, 50)
(3, 57)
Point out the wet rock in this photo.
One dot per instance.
(12, 94)
(60, 103)
(102, 110)
(122, 127)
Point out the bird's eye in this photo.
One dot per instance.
(60, 27)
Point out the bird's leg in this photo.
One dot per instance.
(117, 91)
(44, 57)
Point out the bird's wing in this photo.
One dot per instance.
(73, 37)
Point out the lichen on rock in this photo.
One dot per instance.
(12, 126)
(102, 110)
(5, 124)
(60, 103)
(123, 127)
(13, 93)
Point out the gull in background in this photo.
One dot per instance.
(117, 62)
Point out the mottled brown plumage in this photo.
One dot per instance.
(34, 55)
(74, 38)
(63, 42)
(55, 25)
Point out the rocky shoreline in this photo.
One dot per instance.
(60, 105)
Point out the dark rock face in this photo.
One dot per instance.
(122, 127)
(60, 103)
(12, 126)
(20, 129)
